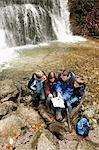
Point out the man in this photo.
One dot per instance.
(64, 88)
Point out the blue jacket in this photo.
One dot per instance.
(66, 88)
(36, 85)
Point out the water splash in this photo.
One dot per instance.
(33, 23)
(60, 22)
(2, 39)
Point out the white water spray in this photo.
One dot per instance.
(35, 23)
(2, 39)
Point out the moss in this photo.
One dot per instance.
(35, 140)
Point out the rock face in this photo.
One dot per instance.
(84, 16)
(92, 22)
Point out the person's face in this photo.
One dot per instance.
(76, 84)
(52, 79)
(64, 77)
(40, 78)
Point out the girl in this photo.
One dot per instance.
(49, 88)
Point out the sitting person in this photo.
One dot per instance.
(49, 88)
(64, 88)
(36, 85)
(78, 93)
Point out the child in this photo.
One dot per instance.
(49, 88)
(79, 91)
(36, 85)
(64, 88)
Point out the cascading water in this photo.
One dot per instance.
(24, 22)
(60, 21)
(34, 22)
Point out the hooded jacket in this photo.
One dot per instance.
(66, 87)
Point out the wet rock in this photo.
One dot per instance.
(7, 107)
(11, 126)
(29, 115)
(94, 136)
(69, 145)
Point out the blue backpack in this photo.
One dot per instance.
(83, 127)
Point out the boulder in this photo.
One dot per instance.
(7, 107)
(11, 126)
(29, 115)
(44, 141)
(94, 136)
(68, 145)
(7, 87)
(58, 129)
(40, 140)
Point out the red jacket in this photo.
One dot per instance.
(49, 87)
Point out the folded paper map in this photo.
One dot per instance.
(58, 102)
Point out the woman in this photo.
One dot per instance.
(49, 88)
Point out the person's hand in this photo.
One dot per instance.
(50, 95)
(59, 95)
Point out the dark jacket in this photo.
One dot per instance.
(79, 92)
(31, 81)
(35, 84)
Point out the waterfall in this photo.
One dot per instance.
(60, 22)
(25, 22)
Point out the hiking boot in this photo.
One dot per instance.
(58, 116)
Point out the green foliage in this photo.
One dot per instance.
(79, 10)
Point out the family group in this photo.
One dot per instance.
(65, 86)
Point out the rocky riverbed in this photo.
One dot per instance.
(22, 127)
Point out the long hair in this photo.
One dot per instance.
(51, 75)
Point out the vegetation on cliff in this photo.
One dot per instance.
(79, 10)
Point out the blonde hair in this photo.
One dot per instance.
(80, 80)
(39, 73)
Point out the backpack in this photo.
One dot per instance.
(83, 127)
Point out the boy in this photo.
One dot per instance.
(78, 93)
(36, 85)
